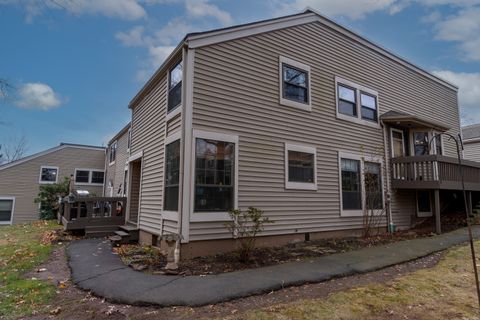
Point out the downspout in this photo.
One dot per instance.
(391, 225)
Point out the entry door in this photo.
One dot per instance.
(135, 173)
(398, 143)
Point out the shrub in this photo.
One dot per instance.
(245, 227)
(48, 198)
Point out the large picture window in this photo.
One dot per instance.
(172, 175)
(48, 174)
(351, 185)
(214, 175)
(175, 86)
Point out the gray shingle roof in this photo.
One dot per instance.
(471, 131)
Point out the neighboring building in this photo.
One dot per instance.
(288, 115)
(471, 142)
(20, 180)
(116, 163)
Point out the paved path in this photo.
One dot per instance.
(96, 268)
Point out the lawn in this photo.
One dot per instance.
(446, 291)
(21, 250)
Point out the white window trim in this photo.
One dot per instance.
(434, 144)
(212, 216)
(129, 139)
(358, 90)
(13, 210)
(301, 185)
(170, 214)
(392, 130)
(362, 159)
(109, 152)
(303, 67)
(90, 175)
(172, 113)
(424, 214)
(48, 182)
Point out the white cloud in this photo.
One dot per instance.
(132, 38)
(201, 9)
(38, 96)
(159, 54)
(468, 93)
(123, 9)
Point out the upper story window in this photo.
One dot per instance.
(89, 176)
(98, 177)
(356, 103)
(82, 176)
(420, 143)
(300, 167)
(48, 174)
(294, 84)
(112, 152)
(398, 143)
(175, 86)
(129, 139)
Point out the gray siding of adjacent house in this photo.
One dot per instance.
(149, 129)
(472, 150)
(115, 172)
(22, 180)
(236, 91)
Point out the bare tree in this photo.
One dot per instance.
(6, 88)
(13, 150)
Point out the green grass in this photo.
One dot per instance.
(21, 250)
(446, 291)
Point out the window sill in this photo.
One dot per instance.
(300, 186)
(358, 120)
(294, 104)
(88, 184)
(5, 222)
(351, 213)
(47, 182)
(209, 216)
(173, 113)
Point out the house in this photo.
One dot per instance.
(20, 180)
(116, 167)
(471, 142)
(289, 115)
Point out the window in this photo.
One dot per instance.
(214, 175)
(347, 101)
(129, 139)
(89, 176)
(356, 103)
(424, 203)
(172, 175)
(369, 107)
(398, 143)
(6, 210)
(351, 186)
(48, 174)
(82, 176)
(300, 167)
(294, 84)
(373, 186)
(113, 152)
(420, 143)
(175, 86)
(438, 141)
(97, 177)
(125, 182)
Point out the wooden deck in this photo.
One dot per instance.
(434, 172)
(85, 212)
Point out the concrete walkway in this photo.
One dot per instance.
(96, 268)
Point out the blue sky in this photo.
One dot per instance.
(76, 64)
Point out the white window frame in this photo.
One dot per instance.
(111, 163)
(48, 182)
(173, 113)
(358, 90)
(392, 130)
(170, 214)
(217, 136)
(129, 139)
(90, 175)
(433, 145)
(362, 159)
(303, 67)
(13, 209)
(424, 214)
(291, 185)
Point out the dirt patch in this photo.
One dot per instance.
(73, 303)
(150, 260)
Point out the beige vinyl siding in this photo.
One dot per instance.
(472, 151)
(116, 171)
(174, 125)
(22, 181)
(236, 91)
(148, 135)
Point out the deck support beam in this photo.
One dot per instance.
(438, 223)
(470, 204)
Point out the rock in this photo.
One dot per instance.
(138, 267)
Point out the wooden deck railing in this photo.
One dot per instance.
(92, 211)
(433, 172)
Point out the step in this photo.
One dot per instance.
(98, 234)
(122, 233)
(101, 228)
(128, 228)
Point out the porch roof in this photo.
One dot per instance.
(405, 120)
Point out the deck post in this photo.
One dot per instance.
(438, 223)
(470, 204)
